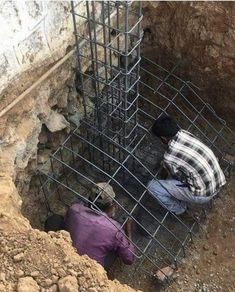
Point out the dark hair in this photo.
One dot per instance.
(165, 126)
(54, 223)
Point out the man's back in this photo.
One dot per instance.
(96, 234)
(190, 159)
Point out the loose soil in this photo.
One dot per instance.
(210, 262)
(210, 265)
(33, 261)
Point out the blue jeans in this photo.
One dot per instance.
(175, 197)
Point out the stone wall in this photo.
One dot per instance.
(202, 34)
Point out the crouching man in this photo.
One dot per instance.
(196, 176)
(95, 233)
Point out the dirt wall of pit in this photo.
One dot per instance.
(202, 35)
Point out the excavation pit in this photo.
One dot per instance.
(90, 155)
(123, 93)
(105, 105)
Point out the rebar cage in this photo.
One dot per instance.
(123, 93)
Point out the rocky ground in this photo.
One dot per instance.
(32, 261)
(210, 265)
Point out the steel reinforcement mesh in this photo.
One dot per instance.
(123, 93)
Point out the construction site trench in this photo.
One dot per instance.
(82, 114)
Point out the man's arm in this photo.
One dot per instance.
(129, 228)
(176, 171)
(125, 248)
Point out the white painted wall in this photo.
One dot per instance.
(33, 34)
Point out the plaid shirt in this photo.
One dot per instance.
(194, 164)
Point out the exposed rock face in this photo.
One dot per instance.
(21, 127)
(56, 122)
(34, 128)
(10, 216)
(201, 33)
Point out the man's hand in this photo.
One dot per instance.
(129, 228)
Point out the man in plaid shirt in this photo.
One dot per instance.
(195, 171)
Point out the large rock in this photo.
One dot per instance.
(10, 199)
(56, 122)
(75, 118)
(68, 284)
(27, 284)
(25, 129)
(10, 206)
(62, 98)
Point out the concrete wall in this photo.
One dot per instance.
(33, 34)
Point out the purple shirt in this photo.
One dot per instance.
(96, 235)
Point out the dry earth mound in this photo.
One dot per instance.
(32, 261)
